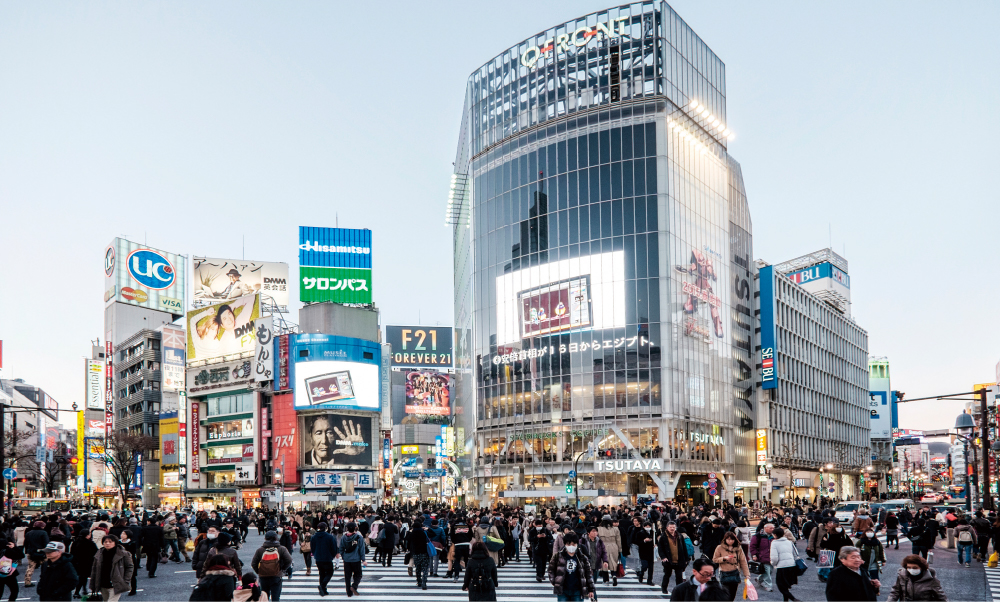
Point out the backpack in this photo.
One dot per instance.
(965, 536)
(270, 563)
(688, 545)
(348, 545)
(480, 582)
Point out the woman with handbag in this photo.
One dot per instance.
(305, 546)
(783, 559)
(732, 561)
(611, 536)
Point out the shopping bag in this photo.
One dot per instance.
(189, 546)
(621, 569)
(994, 559)
(749, 591)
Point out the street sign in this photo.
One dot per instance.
(705, 484)
(572, 474)
(712, 492)
(9, 473)
(711, 475)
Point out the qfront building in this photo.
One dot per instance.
(603, 277)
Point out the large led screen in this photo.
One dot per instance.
(580, 293)
(332, 372)
(427, 393)
(336, 440)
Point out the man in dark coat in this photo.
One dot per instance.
(152, 541)
(701, 586)
(324, 550)
(848, 582)
(35, 539)
(58, 578)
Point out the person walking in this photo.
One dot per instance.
(218, 582)
(417, 542)
(58, 577)
(152, 541)
(324, 550)
(387, 542)
(783, 557)
(916, 581)
(481, 574)
(83, 550)
(438, 539)
(541, 548)
(570, 573)
(760, 551)
(305, 546)
(170, 539)
(833, 542)
(612, 539)
(966, 538)
(269, 561)
(982, 527)
(732, 563)
(701, 586)
(642, 538)
(673, 555)
(111, 570)
(891, 529)
(10, 556)
(485, 529)
(35, 540)
(461, 539)
(593, 548)
(872, 553)
(249, 590)
(183, 536)
(354, 551)
(848, 582)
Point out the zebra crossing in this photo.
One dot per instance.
(993, 580)
(517, 583)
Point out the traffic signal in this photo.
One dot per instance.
(569, 488)
(74, 460)
(302, 490)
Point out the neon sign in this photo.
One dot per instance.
(579, 38)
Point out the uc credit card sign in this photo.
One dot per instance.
(335, 264)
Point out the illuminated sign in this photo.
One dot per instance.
(628, 465)
(420, 346)
(410, 449)
(614, 343)
(579, 38)
(768, 334)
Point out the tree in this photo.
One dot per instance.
(49, 474)
(17, 447)
(122, 455)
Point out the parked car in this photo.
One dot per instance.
(931, 498)
(845, 511)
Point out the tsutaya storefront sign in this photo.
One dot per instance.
(628, 465)
(579, 38)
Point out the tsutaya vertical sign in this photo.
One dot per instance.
(579, 38)
(768, 336)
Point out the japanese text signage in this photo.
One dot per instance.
(221, 280)
(319, 479)
(335, 264)
(420, 346)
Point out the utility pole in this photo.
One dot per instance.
(984, 440)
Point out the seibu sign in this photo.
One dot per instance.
(628, 465)
(578, 38)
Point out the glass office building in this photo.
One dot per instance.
(603, 284)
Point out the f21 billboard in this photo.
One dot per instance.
(420, 346)
(141, 275)
(332, 372)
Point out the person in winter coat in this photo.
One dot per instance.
(354, 551)
(673, 555)
(222, 546)
(417, 542)
(219, 581)
(111, 570)
(834, 542)
(35, 539)
(305, 546)
(596, 553)
(783, 561)
(542, 541)
(324, 550)
(386, 542)
(928, 534)
(872, 553)
(848, 582)
(439, 539)
(58, 577)
(10, 556)
(643, 540)
(862, 522)
(570, 572)
(611, 536)
(481, 574)
(760, 550)
(270, 583)
(170, 539)
(732, 564)
(701, 586)
(183, 535)
(481, 531)
(152, 541)
(203, 549)
(83, 550)
(249, 591)
(966, 540)
(916, 581)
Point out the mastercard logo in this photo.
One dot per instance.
(134, 295)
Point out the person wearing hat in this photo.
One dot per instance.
(58, 577)
(236, 288)
(269, 574)
(35, 539)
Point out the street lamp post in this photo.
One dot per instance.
(965, 425)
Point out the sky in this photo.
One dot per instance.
(218, 128)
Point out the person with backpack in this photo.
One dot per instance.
(324, 550)
(354, 551)
(481, 574)
(111, 570)
(219, 581)
(965, 536)
(269, 561)
(9, 560)
(439, 539)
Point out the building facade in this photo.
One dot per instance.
(603, 282)
(138, 399)
(814, 402)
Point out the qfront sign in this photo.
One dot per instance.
(628, 465)
(579, 38)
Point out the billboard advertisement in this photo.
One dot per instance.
(95, 385)
(221, 280)
(332, 372)
(144, 276)
(880, 399)
(335, 264)
(224, 329)
(768, 334)
(95, 428)
(561, 296)
(218, 378)
(337, 440)
(230, 429)
(698, 297)
(427, 393)
(420, 346)
(819, 271)
(324, 479)
(173, 358)
(168, 439)
(263, 370)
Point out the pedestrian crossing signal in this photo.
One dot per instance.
(569, 488)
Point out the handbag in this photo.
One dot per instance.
(492, 543)
(621, 570)
(757, 568)
(431, 550)
(799, 563)
(732, 576)
(305, 546)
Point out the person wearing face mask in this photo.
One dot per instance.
(834, 541)
(643, 540)
(203, 550)
(916, 581)
(570, 573)
(872, 553)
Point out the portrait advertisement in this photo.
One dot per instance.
(336, 440)
(223, 329)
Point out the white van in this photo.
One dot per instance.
(845, 511)
(898, 505)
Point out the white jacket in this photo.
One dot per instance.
(782, 553)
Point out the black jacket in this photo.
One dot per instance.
(152, 539)
(35, 540)
(58, 579)
(645, 547)
(217, 584)
(664, 549)
(688, 591)
(844, 584)
(480, 559)
(83, 551)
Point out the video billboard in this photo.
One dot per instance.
(420, 346)
(332, 372)
(427, 393)
(144, 276)
(335, 264)
(337, 440)
(219, 280)
(561, 296)
(224, 329)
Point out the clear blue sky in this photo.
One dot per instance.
(196, 125)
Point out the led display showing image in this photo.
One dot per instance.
(556, 307)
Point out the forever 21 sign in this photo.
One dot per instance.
(420, 346)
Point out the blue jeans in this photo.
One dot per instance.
(964, 549)
(766, 578)
(570, 597)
